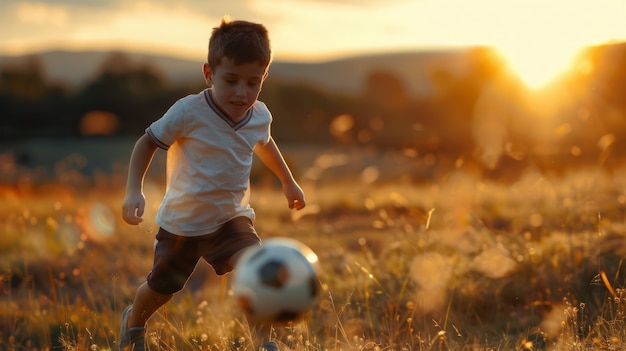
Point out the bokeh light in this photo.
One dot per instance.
(99, 222)
(99, 123)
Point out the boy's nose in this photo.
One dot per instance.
(241, 89)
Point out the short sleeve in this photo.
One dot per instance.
(266, 117)
(167, 129)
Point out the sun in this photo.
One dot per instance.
(541, 39)
(537, 65)
(538, 58)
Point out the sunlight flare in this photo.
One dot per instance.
(538, 64)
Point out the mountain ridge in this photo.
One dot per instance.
(345, 74)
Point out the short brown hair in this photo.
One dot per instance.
(240, 41)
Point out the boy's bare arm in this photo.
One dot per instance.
(134, 200)
(270, 155)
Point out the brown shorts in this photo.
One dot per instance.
(175, 256)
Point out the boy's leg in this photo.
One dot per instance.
(222, 250)
(135, 317)
(174, 261)
(147, 301)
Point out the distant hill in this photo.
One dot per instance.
(349, 74)
(342, 75)
(77, 67)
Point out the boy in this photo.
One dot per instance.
(210, 139)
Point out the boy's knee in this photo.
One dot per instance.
(166, 287)
(163, 299)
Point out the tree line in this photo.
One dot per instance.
(484, 113)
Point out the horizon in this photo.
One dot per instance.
(329, 58)
(538, 39)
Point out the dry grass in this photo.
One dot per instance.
(457, 264)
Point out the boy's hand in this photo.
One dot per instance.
(295, 196)
(133, 207)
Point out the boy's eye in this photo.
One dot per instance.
(235, 81)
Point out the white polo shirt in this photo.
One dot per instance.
(209, 159)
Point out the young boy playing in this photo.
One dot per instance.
(210, 138)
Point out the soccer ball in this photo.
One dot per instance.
(276, 282)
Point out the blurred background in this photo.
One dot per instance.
(506, 117)
(421, 87)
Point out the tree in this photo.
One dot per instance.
(135, 92)
(29, 104)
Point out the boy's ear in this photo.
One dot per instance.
(206, 72)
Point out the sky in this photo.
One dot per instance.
(530, 32)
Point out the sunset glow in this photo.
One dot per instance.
(541, 40)
(537, 67)
(538, 37)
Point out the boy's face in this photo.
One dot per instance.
(235, 87)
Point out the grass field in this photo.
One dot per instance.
(456, 263)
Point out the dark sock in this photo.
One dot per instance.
(136, 332)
